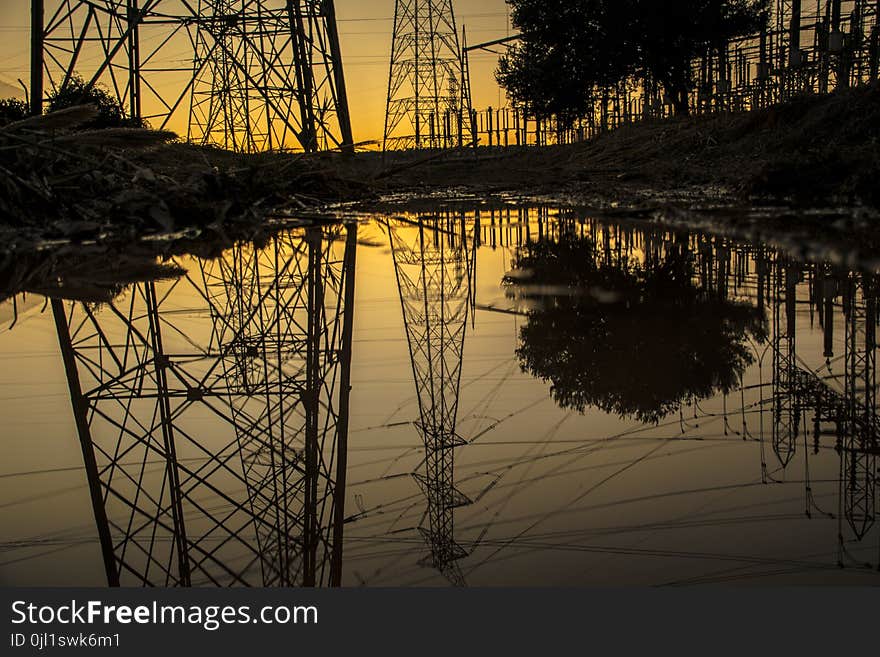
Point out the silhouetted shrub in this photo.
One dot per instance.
(111, 113)
(11, 110)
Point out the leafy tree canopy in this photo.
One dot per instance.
(12, 109)
(630, 339)
(572, 48)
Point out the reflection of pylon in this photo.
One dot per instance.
(433, 261)
(850, 415)
(424, 107)
(860, 444)
(786, 396)
(213, 417)
(259, 74)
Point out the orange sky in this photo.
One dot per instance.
(365, 29)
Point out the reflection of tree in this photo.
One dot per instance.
(631, 339)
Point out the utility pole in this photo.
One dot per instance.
(37, 44)
(794, 37)
(861, 444)
(786, 397)
(342, 108)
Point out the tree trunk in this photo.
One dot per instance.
(680, 101)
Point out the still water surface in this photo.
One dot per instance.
(525, 397)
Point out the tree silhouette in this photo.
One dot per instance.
(629, 339)
(572, 50)
(11, 110)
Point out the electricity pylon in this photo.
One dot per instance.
(247, 75)
(212, 413)
(425, 107)
(845, 407)
(787, 397)
(434, 265)
(861, 441)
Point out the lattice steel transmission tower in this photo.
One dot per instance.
(787, 410)
(434, 265)
(861, 441)
(845, 405)
(247, 75)
(425, 107)
(212, 413)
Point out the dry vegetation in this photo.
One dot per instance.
(59, 181)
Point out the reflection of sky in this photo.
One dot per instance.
(559, 498)
(365, 31)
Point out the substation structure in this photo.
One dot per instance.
(841, 406)
(212, 412)
(245, 75)
(806, 47)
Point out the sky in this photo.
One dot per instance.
(365, 28)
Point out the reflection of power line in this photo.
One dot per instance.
(261, 74)
(725, 270)
(434, 265)
(721, 269)
(850, 415)
(259, 344)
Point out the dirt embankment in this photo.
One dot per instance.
(60, 182)
(810, 150)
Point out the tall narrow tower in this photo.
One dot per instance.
(247, 75)
(861, 442)
(434, 265)
(786, 405)
(425, 106)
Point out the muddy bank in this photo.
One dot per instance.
(60, 182)
(754, 173)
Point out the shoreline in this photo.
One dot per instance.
(96, 271)
(724, 174)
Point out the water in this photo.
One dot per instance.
(536, 397)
